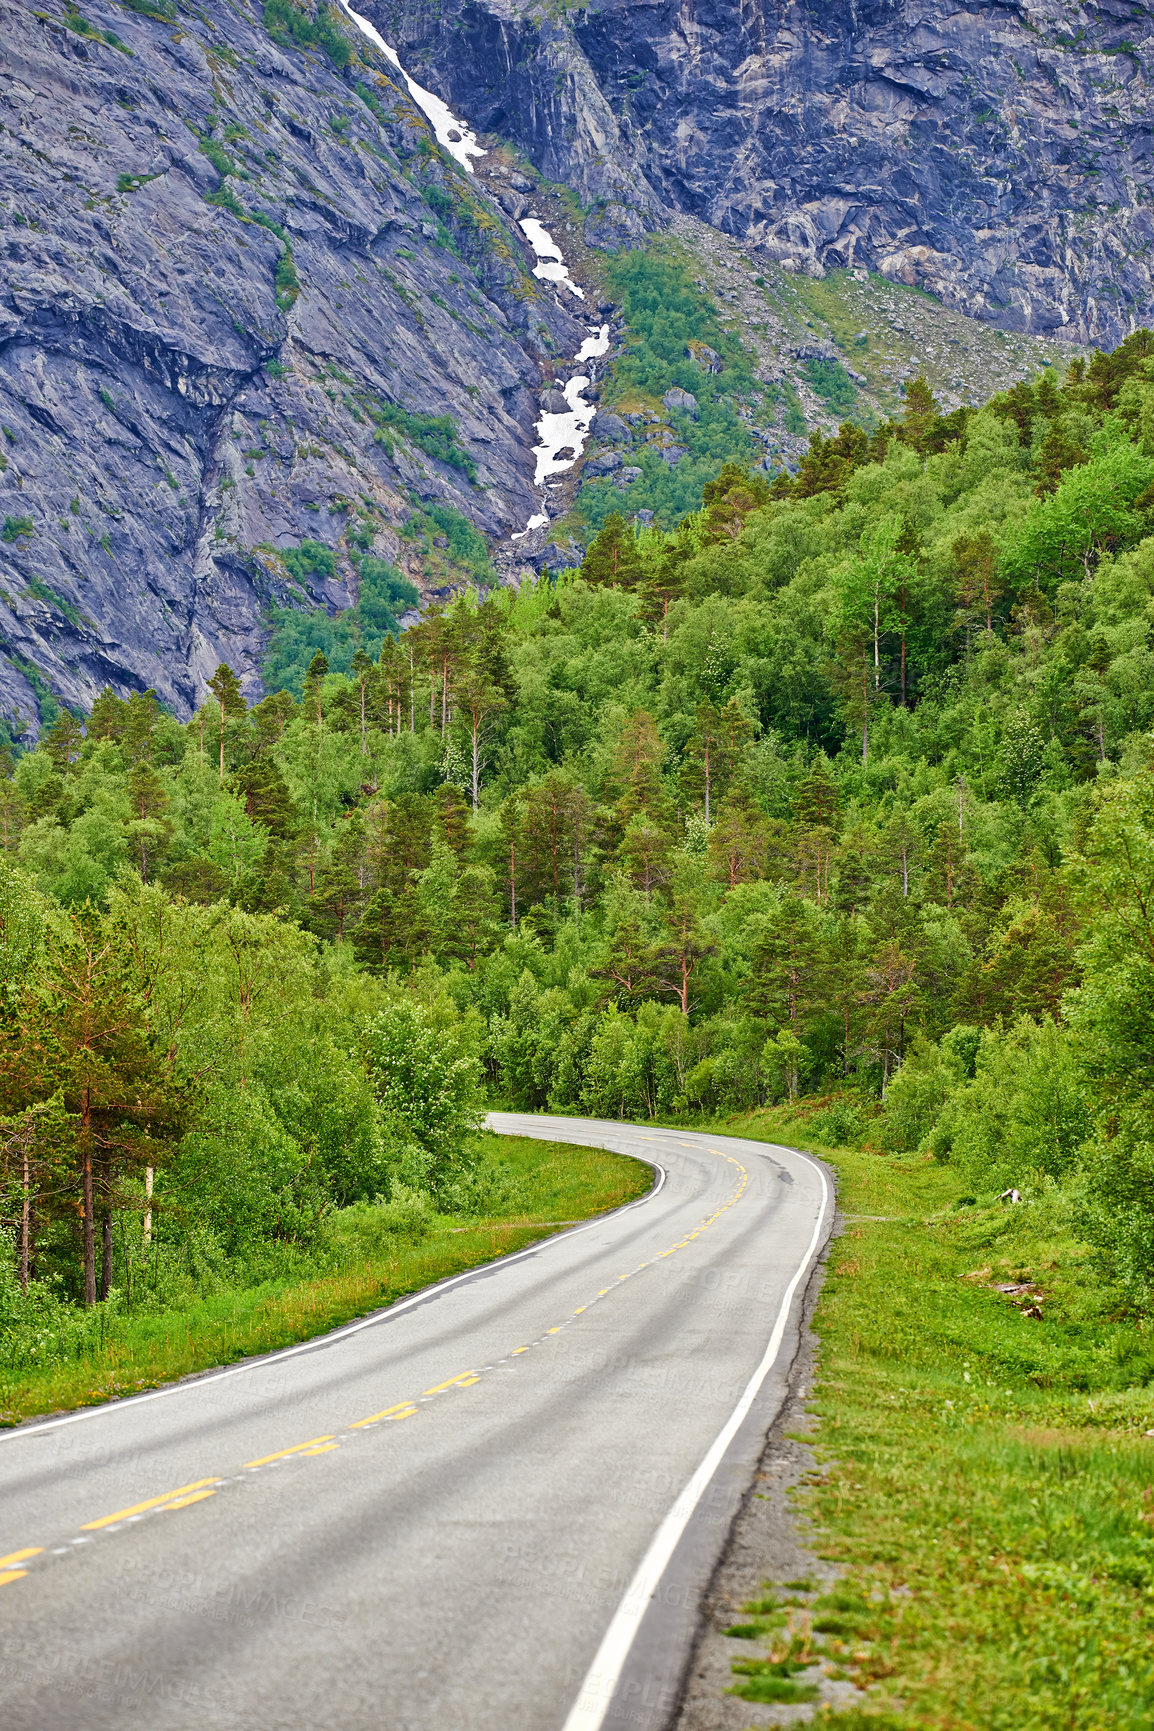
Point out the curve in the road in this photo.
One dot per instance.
(590, 1412)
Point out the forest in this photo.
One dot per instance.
(839, 793)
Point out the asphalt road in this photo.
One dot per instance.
(493, 1507)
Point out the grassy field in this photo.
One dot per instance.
(986, 1483)
(371, 1260)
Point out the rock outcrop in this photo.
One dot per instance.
(996, 154)
(244, 304)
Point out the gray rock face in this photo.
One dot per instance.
(998, 154)
(172, 420)
(553, 403)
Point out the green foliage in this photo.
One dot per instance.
(288, 285)
(435, 435)
(464, 544)
(226, 199)
(298, 634)
(665, 313)
(133, 182)
(310, 559)
(15, 528)
(218, 156)
(982, 1401)
(838, 795)
(832, 384)
(290, 23)
(73, 20)
(428, 1086)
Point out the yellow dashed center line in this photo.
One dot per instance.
(186, 1495)
(143, 1508)
(401, 1410)
(282, 1454)
(186, 1502)
(20, 1556)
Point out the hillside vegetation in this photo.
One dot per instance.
(841, 791)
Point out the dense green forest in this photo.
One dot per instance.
(840, 792)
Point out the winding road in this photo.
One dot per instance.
(492, 1507)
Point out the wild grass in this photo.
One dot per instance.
(374, 1257)
(986, 1483)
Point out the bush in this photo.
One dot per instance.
(428, 1089)
(289, 24)
(838, 1125)
(1027, 1112)
(919, 1091)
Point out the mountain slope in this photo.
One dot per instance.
(997, 155)
(235, 291)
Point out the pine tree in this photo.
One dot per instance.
(452, 818)
(685, 945)
(644, 854)
(744, 844)
(225, 687)
(63, 741)
(889, 997)
(81, 1035)
(362, 673)
(314, 686)
(635, 779)
(478, 702)
(613, 557)
(339, 884)
(266, 796)
(141, 714)
(713, 750)
(149, 830)
(629, 959)
(976, 582)
(107, 718)
(921, 413)
(664, 582)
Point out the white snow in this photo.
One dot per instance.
(452, 134)
(538, 520)
(560, 432)
(593, 346)
(551, 264)
(555, 432)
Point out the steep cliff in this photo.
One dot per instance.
(995, 154)
(245, 303)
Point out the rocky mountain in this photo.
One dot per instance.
(246, 304)
(998, 155)
(268, 310)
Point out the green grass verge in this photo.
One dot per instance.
(552, 1183)
(986, 1484)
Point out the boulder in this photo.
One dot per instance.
(553, 402)
(683, 401)
(704, 356)
(607, 426)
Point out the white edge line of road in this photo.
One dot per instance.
(34, 1427)
(595, 1697)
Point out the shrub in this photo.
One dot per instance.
(429, 1093)
(292, 25)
